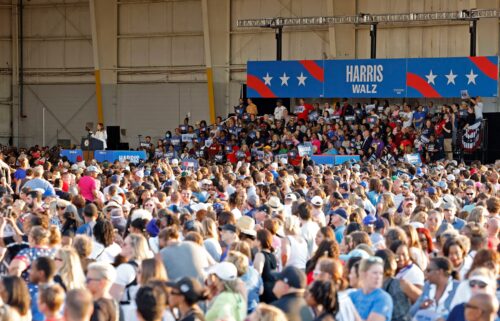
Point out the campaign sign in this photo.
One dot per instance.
(187, 137)
(365, 78)
(413, 159)
(120, 155)
(305, 149)
(71, 154)
(281, 159)
(189, 163)
(341, 159)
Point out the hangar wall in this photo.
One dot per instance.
(152, 56)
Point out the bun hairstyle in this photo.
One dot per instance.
(40, 235)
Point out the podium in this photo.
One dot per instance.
(89, 145)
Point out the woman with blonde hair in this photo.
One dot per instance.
(69, 269)
(265, 312)
(135, 249)
(211, 237)
(294, 249)
(416, 253)
(151, 269)
(39, 239)
(386, 205)
(478, 215)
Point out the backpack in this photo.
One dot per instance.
(128, 286)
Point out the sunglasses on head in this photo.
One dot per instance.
(480, 284)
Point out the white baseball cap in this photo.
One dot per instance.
(317, 200)
(225, 271)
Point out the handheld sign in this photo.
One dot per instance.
(305, 149)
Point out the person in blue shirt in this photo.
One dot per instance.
(42, 272)
(370, 300)
(38, 182)
(449, 211)
(419, 117)
(338, 219)
(90, 215)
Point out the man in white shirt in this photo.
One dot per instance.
(309, 227)
(478, 108)
(279, 110)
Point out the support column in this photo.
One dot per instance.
(104, 24)
(331, 30)
(15, 75)
(279, 42)
(373, 41)
(208, 60)
(97, 68)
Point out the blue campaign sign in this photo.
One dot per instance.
(382, 78)
(413, 159)
(71, 154)
(341, 159)
(120, 155)
(323, 159)
(365, 78)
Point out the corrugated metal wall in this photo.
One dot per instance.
(153, 62)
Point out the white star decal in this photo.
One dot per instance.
(284, 79)
(451, 77)
(430, 78)
(267, 79)
(471, 78)
(302, 79)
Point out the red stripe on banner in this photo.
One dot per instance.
(314, 69)
(486, 66)
(420, 85)
(260, 87)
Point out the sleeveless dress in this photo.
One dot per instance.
(268, 279)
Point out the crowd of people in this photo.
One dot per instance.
(373, 131)
(239, 232)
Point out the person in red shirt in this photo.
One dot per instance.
(304, 115)
(214, 149)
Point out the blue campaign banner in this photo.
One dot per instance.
(323, 159)
(365, 78)
(270, 79)
(378, 78)
(334, 159)
(71, 154)
(341, 159)
(452, 77)
(120, 155)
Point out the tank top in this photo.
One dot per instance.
(268, 278)
(298, 252)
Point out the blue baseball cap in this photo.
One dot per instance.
(340, 212)
(369, 219)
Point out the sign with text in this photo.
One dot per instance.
(305, 149)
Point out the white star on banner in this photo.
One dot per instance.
(451, 77)
(267, 79)
(430, 78)
(471, 78)
(284, 79)
(302, 79)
